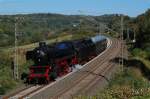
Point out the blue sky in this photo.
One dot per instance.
(92, 7)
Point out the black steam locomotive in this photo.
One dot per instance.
(51, 61)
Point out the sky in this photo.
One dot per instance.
(71, 7)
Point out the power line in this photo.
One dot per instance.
(122, 29)
(16, 73)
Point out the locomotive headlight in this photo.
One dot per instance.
(42, 53)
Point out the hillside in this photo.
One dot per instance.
(36, 27)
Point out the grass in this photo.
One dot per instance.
(130, 83)
(145, 61)
(6, 79)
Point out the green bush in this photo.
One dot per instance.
(140, 53)
(6, 79)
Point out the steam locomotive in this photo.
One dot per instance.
(58, 59)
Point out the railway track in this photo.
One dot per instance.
(84, 83)
(99, 75)
(73, 83)
(24, 92)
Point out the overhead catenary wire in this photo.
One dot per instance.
(16, 73)
(122, 47)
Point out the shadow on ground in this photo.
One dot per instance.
(134, 63)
